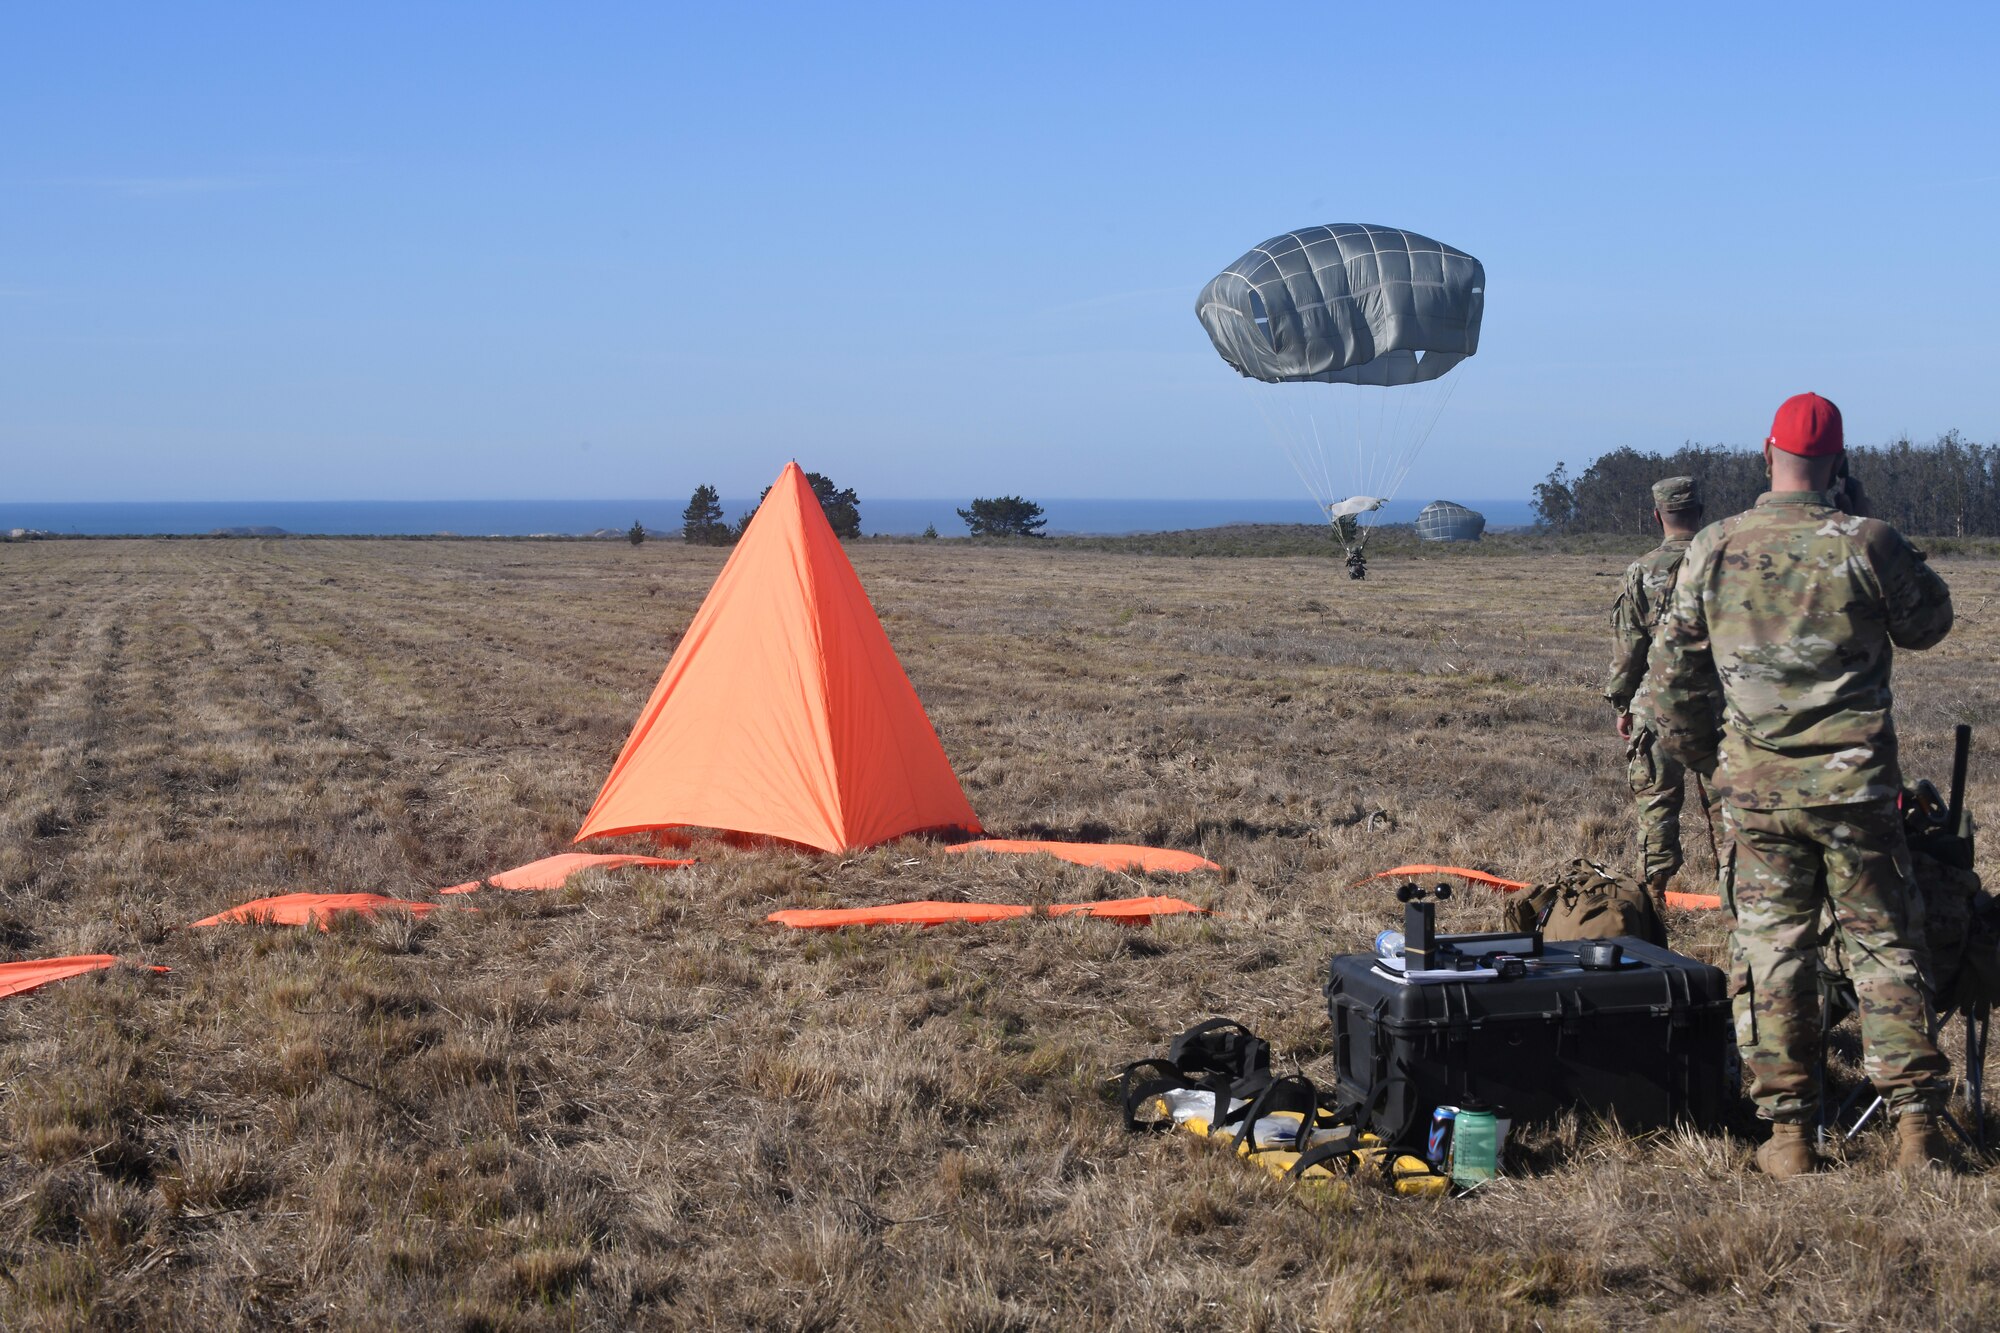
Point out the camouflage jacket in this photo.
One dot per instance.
(1792, 612)
(1640, 607)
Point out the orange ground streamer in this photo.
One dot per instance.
(21, 978)
(552, 872)
(895, 914)
(1127, 911)
(1476, 876)
(784, 712)
(308, 909)
(1693, 902)
(1104, 855)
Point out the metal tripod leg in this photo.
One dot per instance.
(1977, 1030)
(1867, 1115)
(1881, 1099)
(1978, 1024)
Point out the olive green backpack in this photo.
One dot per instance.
(1586, 901)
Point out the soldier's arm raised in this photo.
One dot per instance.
(1917, 601)
(1686, 691)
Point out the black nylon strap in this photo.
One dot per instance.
(1131, 1095)
(1322, 1153)
(1234, 1049)
(1290, 1092)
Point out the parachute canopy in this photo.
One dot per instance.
(1346, 303)
(1446, 521)
(1353, 506)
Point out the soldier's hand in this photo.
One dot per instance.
(1624, 726)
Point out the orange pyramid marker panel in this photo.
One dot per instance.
(784, 713)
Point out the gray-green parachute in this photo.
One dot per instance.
(1448, 521)
(1346, 303)
(1378, 315)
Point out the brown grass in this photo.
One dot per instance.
(633, 1103)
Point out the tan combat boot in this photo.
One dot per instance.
(1787, 1153)
(1919, 1145)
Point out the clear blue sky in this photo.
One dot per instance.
(486, 251)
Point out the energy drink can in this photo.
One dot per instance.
(1438, 1147)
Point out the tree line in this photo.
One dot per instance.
(703, 524)
(1947, 488)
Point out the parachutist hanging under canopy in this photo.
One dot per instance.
(1374, 317)
(1357, 563)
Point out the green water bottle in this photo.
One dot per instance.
(1475, 1147)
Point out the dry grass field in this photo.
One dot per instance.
(633, 1103)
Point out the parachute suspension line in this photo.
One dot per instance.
(1312, 425)
(1302, 432)
(1288, 438)
(1376, 448)
(1328, 464)
(1426, 420)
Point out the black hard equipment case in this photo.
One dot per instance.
(1524, 1026)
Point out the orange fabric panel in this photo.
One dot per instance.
(307, 909)
(1105, 855)
(895, 914)
(784, 712)
(1128, 911)
(1695, 902)
(1476, 876)
(21, 978)
(552, 872)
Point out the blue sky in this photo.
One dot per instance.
(492, 251)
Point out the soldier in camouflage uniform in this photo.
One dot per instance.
(1792, 612)
(1659, 781)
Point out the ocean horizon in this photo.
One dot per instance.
(527, 518)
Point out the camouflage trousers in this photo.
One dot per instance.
(1786, 865)
(1659, 789)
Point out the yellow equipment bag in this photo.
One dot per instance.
(1216, 1082)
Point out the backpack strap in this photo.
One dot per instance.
(1218, 1056)
(1656, 614)
(1322, 1153)
(1288, 1092)
(1223, 1046)
(1135, 1091)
